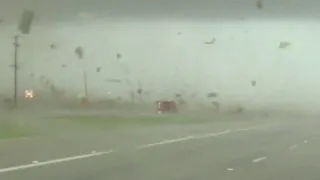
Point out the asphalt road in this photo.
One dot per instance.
(278, 149)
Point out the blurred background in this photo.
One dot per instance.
(250, 53)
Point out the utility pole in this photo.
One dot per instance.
(85, 84)
(15, 70)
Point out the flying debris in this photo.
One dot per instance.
(139, 91)
(53, 46)
(212, 94)
(259, 4)
(253, 83)
(79, 52)
(284, 44)
(213, 40)
(119, 56)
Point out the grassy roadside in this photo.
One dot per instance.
(112, 122)
(8, 131)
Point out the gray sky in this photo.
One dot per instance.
(66, 10)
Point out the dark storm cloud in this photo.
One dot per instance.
(64, 10)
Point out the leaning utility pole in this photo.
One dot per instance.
(15, 70)
(24, 28)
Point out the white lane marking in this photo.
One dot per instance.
(55, 161)
(305, 141)
(251, 128)
(165, 142)
(170, 141)
(293, 147)
(212, 134)
(259, 159)
(94, 153)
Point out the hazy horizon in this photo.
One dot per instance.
(70, 10)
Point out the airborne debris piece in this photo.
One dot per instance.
(63, 65)
(139, 91)
(26, 21)
(179, 33)
(239, 110)
(79, 52)
(259, 4)
(178, 95)
(119, 56)
(113, 80)
(212, 94)
(253, 83)
(98, 69)
(213, 40)
(284, 44)
(53, 46)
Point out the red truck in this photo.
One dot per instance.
(166, 107)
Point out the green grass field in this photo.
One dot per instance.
(112, 122)
(14, 131)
